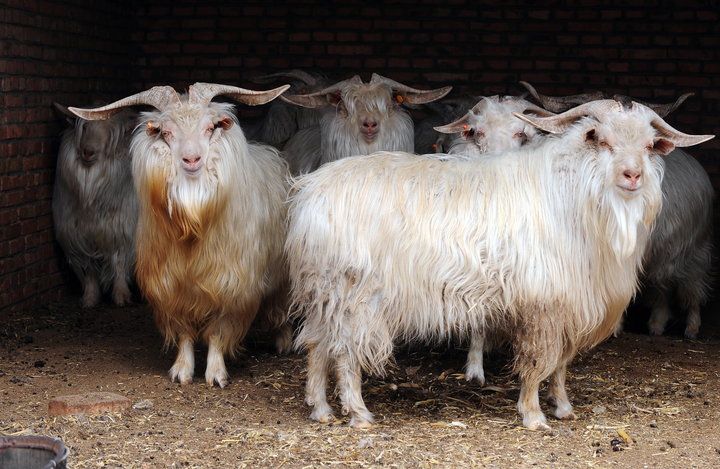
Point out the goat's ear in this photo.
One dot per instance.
(591, 136)
(223, 122)
(458, 126)
(663, 146)
(64, 112)
(152, 128)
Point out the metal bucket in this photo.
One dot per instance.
(32, 452)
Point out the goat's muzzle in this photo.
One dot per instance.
(192, 163)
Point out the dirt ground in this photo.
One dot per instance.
(641, 402)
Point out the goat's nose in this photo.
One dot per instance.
(192, 159)
(88, 154)
(370, 124)
(632, 175)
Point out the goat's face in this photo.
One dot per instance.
(93, 139)
(627, 148)
(490, 126)
(188, 132)
(366, 107)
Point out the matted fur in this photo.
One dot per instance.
(95, 206)
(209, 247)
(339, 130)
(539, 242)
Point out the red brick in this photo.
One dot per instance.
(89, 404)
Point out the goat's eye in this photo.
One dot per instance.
(605, 145)
(522, 136)
(468, 133)
(210, 129)
(166, 134)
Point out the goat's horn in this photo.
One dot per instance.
(412, 95)
(203, 93)
(557, 124)
(319, 98)
(537, 110)
(296, 74)
(679, 139)
(561, 103)
(160, 97)
(661, 110)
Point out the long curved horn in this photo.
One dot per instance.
(562, 104)
(320, 98)
(455, 126)
(679, 139)
(412, 95)
(203, 93)
(160, 97)
(661, 110)
(463, 122)
(294, 74)
(530, 108)
(557, 124)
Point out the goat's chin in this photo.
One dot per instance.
(369, 138)
(628, 192)
(192, 173)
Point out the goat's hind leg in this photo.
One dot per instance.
(557, 394)
(474, 368)
(316, 385)
(349, 375)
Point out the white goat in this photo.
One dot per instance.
(212, 220)
(490, 126)
(359, 118)
(678, 258)
(543, 243)
(94, 204)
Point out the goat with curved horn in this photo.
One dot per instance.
(358, 118)
(211, 222)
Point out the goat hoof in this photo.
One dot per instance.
(361, 422)
(322, 415)
(221, 378)
(475, 375)
(283, 340)
(122, 299)
(536, 421)
(181, 376)
(563, 413)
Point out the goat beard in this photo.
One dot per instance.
(190, 206)
(629, 222)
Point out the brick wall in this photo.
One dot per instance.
(49, 51)
(71, 51)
